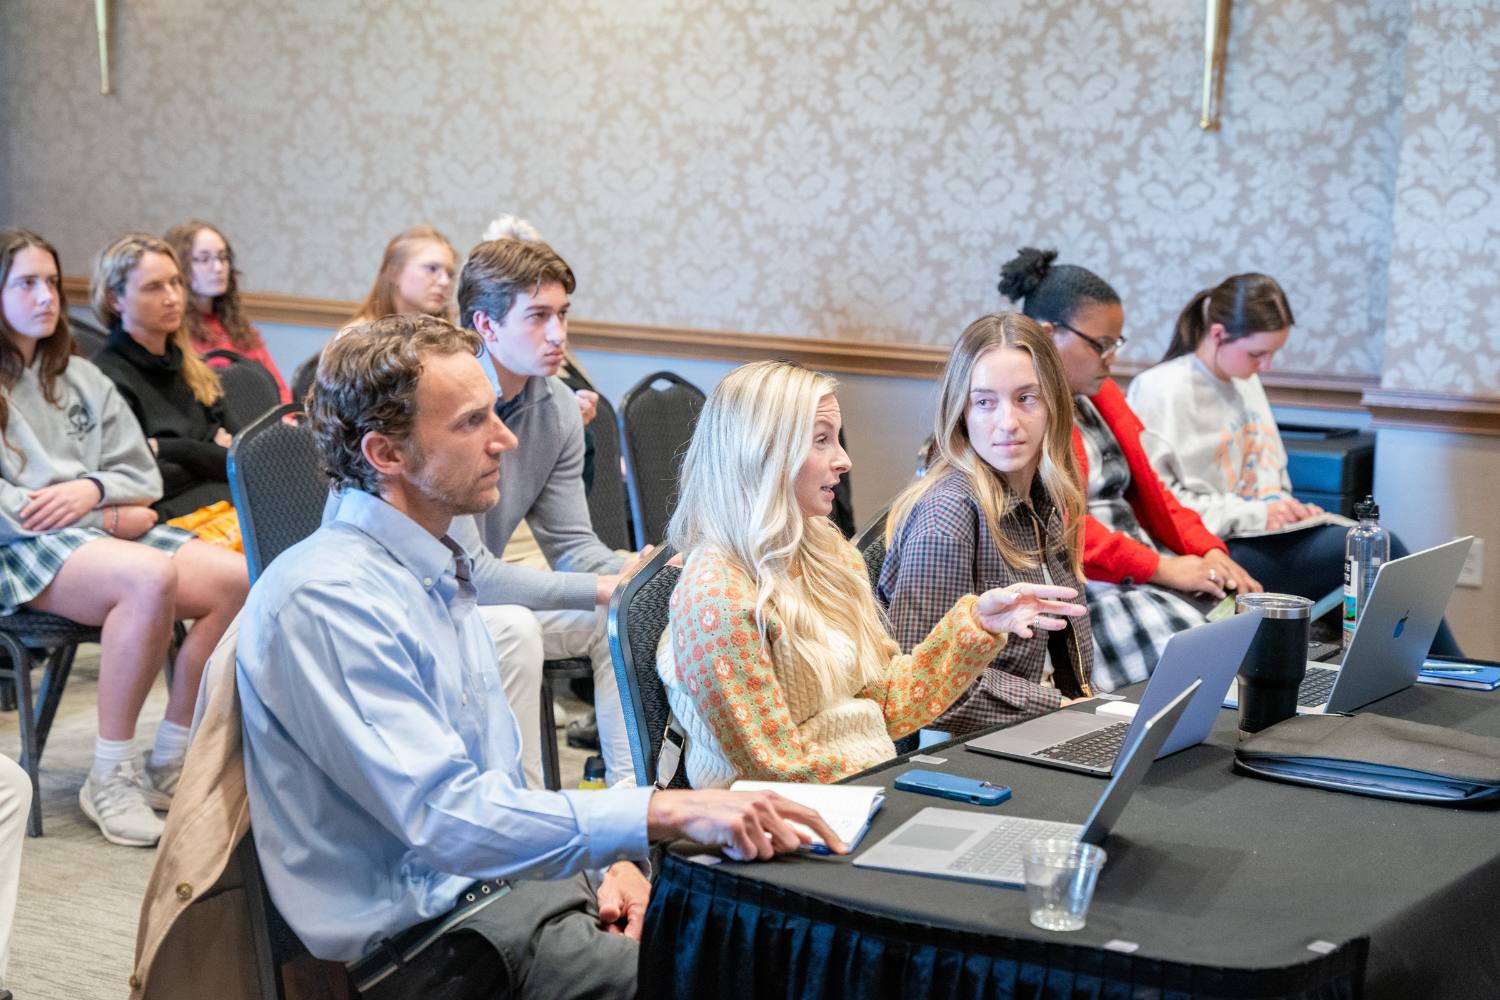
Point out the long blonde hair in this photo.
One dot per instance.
(111, 273)
(381, 301)
(738, 497)
(955, 455)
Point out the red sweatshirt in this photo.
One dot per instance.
(1113, 556)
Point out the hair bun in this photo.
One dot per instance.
(1023, 273)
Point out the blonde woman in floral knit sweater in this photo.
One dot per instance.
(775, 660)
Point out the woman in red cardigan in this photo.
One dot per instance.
(1152, 567)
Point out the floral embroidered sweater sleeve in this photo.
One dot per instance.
(736, 686)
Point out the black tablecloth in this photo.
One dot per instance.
(1223, 885)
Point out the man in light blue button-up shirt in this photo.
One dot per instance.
(381, 758)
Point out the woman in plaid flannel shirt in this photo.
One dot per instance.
(775, 659)
(1000, 504)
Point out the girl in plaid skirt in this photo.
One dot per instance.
(78, 538)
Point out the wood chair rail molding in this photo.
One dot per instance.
(1390, 407)
(1415, 410)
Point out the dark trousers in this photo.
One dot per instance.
(542, 940)
(1310, 564)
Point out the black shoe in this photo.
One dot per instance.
(583, 734)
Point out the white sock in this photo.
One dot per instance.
(110, 754)
(171, 742)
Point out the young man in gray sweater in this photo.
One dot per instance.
(514, 294)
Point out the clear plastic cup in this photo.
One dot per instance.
(1060, 877)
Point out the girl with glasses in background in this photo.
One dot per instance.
(418, 274)
(214, 319)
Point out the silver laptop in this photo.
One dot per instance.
(1392, 637)
(1083, 741)
(983, 847)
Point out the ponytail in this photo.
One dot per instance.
(1192, 327)
(1244, 305)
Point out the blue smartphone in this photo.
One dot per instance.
(952, 786)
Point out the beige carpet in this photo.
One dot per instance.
(75, 923)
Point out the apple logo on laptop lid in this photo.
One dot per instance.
(1401, 625)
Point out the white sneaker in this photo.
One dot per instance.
(117, 805)
(160, 783)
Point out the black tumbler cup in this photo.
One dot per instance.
(1273, 668)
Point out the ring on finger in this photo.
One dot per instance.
(1213, 574)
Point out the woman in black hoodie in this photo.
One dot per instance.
(138, 293)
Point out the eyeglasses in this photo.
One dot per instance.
(209, 258)
(1101, 348)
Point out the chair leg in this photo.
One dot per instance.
(59, 665)
(179, 633)
(20, 669)
(257, 903)
(551, 772)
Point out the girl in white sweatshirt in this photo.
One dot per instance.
(1212, 438)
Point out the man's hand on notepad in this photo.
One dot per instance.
(747, 826)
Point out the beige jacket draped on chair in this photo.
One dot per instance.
(195, 937)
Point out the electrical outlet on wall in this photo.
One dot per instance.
(1472, 575)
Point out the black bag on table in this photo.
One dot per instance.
(1374, 755)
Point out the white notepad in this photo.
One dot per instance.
(848, 809)
(1316, 521)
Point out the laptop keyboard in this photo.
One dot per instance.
(998, 853)
(1097, 749)
(1317, 685)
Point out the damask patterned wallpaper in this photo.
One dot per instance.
(852, 168)
(1444, 328)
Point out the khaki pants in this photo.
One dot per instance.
(523, 639)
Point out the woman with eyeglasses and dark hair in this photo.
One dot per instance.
(1213, 439)
(214, 319)
(1153, 568)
